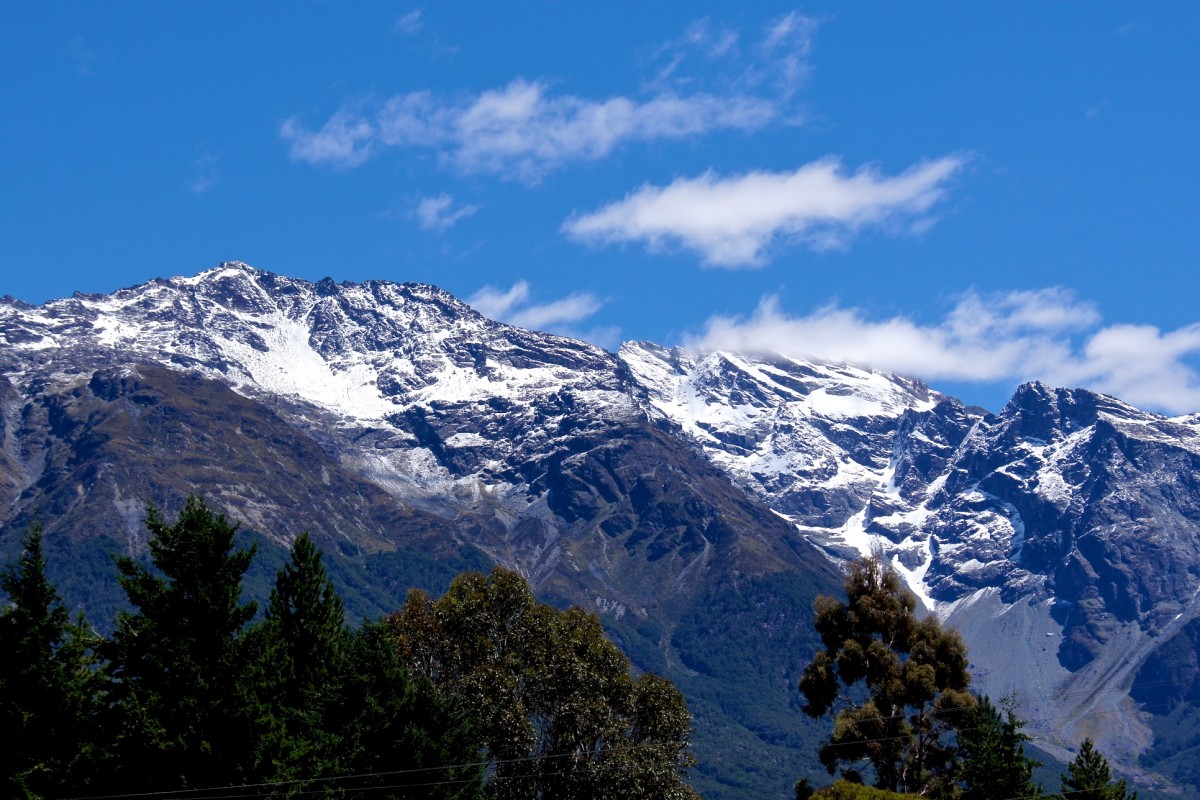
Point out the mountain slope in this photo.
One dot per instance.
(412, 436)
(698, 501)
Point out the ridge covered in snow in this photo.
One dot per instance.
(363, 351)
(1063, 529)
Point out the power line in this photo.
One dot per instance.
(1022, 700)
(330, 782)
(201, 793)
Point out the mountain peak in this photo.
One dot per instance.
(226, 269)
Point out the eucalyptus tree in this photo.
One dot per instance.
(895, 683)
(557, 712)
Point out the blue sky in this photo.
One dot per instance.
(975, 194)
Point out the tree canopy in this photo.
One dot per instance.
(894, 682)
(179, 658)
(204, 696)
(558, 713)
(49, 689)
(482, 693)
(193, 692)
(1088, 777)
(991, 754)
(341, 704)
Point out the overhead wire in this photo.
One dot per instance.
(269, 787)
(1021, 700)
(201, 793)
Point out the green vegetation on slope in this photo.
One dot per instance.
(191, 692)
(481, 693)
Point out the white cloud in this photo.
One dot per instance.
(439, 213)
(560, 316)
(410, 23)
(521, 130)
(496, 303)
(570, 309)
(1043, 335)
(344, 141)
(730, 221)
(1143, 365)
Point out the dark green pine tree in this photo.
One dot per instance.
(311, 620)
(1089, 778)
(304, 641)
(179, 661)
(49, 688)
(991, 753)
(399, 731)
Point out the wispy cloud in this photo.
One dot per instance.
(522, 130)
(787, 48)
(515, 307)
(1045, 335)
(526, 129)
(1135, 28)
(439, 213)
(702, 40)
(774, 59)
(730, 221)
(205, 176)
(496, 303)
(82, 54)
(410, 23)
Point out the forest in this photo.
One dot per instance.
(481, 693)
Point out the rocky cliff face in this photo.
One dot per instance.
(698, 500)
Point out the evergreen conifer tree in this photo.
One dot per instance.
(311, 621)
(335, 713)
(49, 684)
(178, 661)
(397, 731)
(302, 648)
(1088, 777)
(991, 753)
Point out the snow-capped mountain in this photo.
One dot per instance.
(1062, 536)
(963, 500)
(414, 439)
(660, 487)
(410, 388)
(812, 439)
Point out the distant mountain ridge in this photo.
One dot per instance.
(697, 500)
